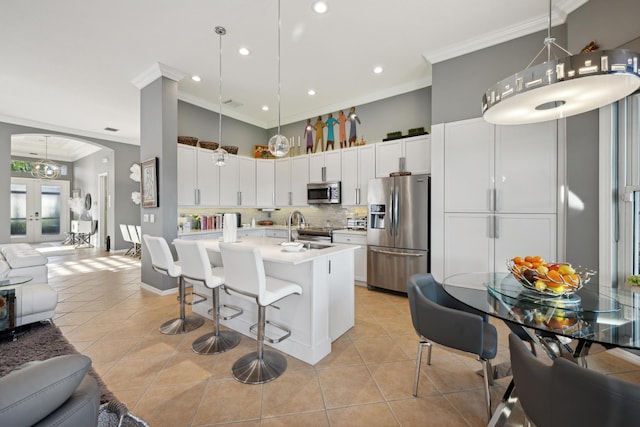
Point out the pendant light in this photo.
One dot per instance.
(279, 144)
(563, 87)
(45, 168)
(220, 155)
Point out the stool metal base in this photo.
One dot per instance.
(181, 326)
(250, 369)
(212, 343)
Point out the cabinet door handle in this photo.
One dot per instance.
(496, 235)
(491, 226)
(324, 173)
(402, 164)
(197, 196)
(329, 266)
(290, 198)
(492, 199)
(239, 198)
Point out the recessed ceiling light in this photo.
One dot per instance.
(265, 108)
(311, 92)
(377, 70)
(319, 6)
(196, 78)
(244, 51)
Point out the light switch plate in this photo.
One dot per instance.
(145, 218)
(152, 218)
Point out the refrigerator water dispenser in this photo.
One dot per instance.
(377, 214)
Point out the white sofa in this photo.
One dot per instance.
(35, 300)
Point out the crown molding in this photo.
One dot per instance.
(156, 71)
(560, 12)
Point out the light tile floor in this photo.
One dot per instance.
(366, 380)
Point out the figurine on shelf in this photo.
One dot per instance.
(319, 134)
(342, 119)
(353, 117)
(308, 134)
(331, 122)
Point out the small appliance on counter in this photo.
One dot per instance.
(357, 224)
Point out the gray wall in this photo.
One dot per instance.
(459, 83)
(122, 208)
(397, 113)
(203, 124)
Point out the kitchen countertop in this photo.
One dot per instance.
(272, 250)
(219, 230)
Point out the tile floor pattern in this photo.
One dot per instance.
(365, 381)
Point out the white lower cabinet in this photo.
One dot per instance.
(484, 242)
(341, 294)
(360, 265)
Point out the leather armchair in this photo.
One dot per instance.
(54, 392)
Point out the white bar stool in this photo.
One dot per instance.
(244, 274)
(196, 268)
(162, 262)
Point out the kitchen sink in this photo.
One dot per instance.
(314, 245)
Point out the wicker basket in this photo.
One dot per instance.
(209, 145)
(188, 140)
(231, 149)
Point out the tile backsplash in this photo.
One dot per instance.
(315, 216)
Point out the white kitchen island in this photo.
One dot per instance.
(322, 313)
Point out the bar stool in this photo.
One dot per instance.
(196, 268)
(244, 274)
(162, 262)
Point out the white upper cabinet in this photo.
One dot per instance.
(500, 168)
(292, 174)
(358, 166)
(265, 183)
(238, 182)
(208, 184)
(325, 166)
(407, 154)
(187, 175)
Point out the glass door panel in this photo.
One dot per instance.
(39, 210)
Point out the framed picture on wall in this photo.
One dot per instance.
(149, 184)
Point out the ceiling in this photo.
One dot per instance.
(69, 65)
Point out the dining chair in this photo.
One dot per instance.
(162, 262)
(135, 238)
(196, 268)
(126, 236)
(564, 394)
(439, 318)
(245, 275)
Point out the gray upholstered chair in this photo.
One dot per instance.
(197, 269)
(54, 392)
(438, 317)
(565, 394)
(162, 262)
(244, 273)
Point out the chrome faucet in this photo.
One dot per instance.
(301, 220)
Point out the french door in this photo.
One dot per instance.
(39, 210)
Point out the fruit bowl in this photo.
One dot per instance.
(550, 279)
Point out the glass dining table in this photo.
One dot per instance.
(593, 314)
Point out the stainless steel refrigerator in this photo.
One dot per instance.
(398, 231)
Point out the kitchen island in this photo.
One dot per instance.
(322, 313)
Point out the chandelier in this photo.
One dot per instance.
(562, 87)
(220, 155)
(45, 168)
(279, 144)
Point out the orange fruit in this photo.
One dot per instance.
(537, 258)
(528, 258)
(572, 279)
(517, 260)
(527, 264)
(554, 276)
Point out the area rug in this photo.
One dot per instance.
(42, 341)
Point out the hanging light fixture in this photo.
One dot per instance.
(220, 155)
(45, 168)
(563, 87)
(279, 144)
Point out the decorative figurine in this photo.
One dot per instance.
(342, 119)
(331, 122)
(319, 134)
(353, 117)
(308, 134)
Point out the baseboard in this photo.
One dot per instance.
(158, 291)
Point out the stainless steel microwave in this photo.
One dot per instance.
(324, 193)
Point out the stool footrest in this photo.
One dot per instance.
(194, 295)
(287, 332)
(236, 311)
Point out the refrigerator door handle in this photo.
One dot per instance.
(378, 251)
(396, 210)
